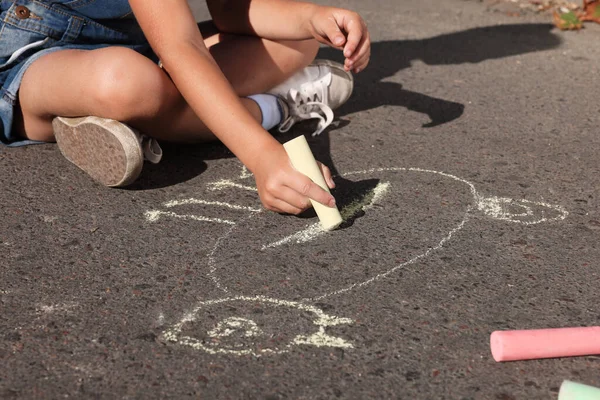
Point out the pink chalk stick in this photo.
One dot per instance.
(545, 343)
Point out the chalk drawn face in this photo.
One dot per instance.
(255, 326)
(397, 217)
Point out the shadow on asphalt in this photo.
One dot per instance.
(182, 163)
(350, 199)
(179, 164)
(388, 57)
(468, 46)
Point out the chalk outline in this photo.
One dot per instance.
(489, 206)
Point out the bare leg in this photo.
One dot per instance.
(110, 82)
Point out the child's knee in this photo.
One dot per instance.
(309, 48)
(130, 85)
(304, 53)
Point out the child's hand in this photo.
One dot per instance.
(283, 189)
(344, 30)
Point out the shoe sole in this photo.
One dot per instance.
(107, 150)
(335, 66)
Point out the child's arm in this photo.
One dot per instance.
(294, 20)
(173, 34)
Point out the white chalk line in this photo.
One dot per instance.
(245, 173)
(175, 203)
(490, 206)
(315, 230)
(380, 190)
(52, 308)
(228, 326)
(494, 207)
(226, 184)
(397, 267)
(212, 269)
(312, 232)
(154, 215)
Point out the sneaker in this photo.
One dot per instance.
(313, 93)
(111, 152)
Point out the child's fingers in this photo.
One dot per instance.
(327, 175)
(282, 199)
(334, 33)
(360, 61)
(355, 29)
(363, 49)
(282, 207)
(308, 188)
(285, 200)
(292, 198)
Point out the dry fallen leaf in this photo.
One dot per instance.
(567, 21)
(591, 11)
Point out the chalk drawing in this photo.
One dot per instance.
(245, 173)
(226, 183)
(232, 324)
(174, 203)
(315, 230)
(49, 309)
(154, 215)
(246, 328)
(241, 334)
(504, 209)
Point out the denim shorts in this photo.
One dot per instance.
(30, 29)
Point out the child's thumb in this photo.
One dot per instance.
(334, 34)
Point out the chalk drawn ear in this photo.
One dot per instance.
(520, 211)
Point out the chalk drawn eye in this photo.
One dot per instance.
(235, 325)
(256, 326)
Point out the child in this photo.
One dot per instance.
(87, 74)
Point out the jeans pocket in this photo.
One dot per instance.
(17, 44)
(99, 9)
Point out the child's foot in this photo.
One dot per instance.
(111, 152)
(314, 92)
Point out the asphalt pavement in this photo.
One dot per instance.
(467, 170)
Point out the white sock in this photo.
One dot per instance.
(272, 114)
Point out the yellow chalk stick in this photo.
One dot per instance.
(303, 160)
